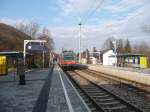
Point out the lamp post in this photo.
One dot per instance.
(80, 25)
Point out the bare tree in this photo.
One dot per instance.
(120, 46)
(94, 49)
(46, 35)
(141, 48)
(127, 47)
(146, 28)
(108, 43)
(31, 28)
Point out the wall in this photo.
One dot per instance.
(108, 60)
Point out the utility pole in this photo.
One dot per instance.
(80, 25)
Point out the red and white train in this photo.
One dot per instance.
(67, 59)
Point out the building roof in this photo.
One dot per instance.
(12, 53)
(127, 55)
(104, 51)
(131, 54)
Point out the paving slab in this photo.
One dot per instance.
(21, 98)
(63, 96)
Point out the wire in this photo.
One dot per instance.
(133, 17)
(91, 7)
(75, 7)
(86, 18)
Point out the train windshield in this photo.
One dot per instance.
(68, 58)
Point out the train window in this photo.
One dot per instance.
(68, 58)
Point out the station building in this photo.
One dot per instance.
(109, 58)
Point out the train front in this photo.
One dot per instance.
(67, 60)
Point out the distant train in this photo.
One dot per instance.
(67, 59)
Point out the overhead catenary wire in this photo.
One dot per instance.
(89, 11)
(86, 18)
(73, 5)
(132, 17)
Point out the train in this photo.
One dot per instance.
(67, 59)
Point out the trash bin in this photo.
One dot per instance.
(21, 71)
(3, 65)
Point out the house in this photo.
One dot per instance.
(109, 58)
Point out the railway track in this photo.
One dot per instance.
(98, 98)
(138, 96)
(139, 90)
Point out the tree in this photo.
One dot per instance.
(87, 54)
(94, 49)
(141, 48)
(127, 46)
(83, 54)
(120, 46)
(31, 28)
(46, 35)
(108, 43)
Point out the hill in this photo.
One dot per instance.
(11, 39)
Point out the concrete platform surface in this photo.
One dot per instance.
(21, 98)
(62, 96)
(124, 74)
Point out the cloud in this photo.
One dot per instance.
(77, 6)
(132, 27)
(57, 20)
(123, 5)
(7, 21)
(10, 21)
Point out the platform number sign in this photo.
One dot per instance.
(3, 65)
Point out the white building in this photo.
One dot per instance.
(109, 58)
(93, 60)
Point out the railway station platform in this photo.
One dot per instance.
(122, 73)
(45, 91)
(63, 96)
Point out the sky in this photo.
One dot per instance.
(101, 19)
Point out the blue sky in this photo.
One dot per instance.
(117, 18)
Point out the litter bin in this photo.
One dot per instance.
(3, 65)
(21, 71)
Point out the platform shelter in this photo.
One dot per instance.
(132, 60)
(8, 60)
